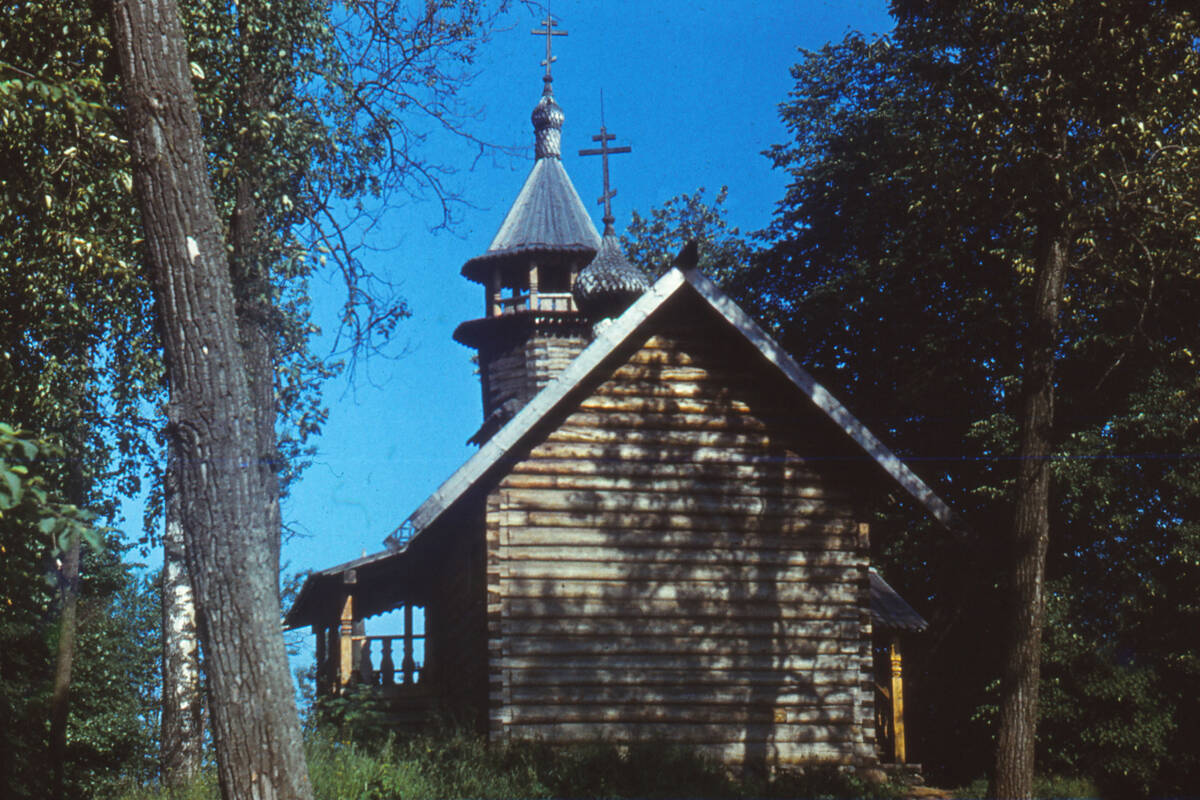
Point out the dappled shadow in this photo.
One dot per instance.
(683, 563)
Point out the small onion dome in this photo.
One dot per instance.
(609, 284)
(547, 120)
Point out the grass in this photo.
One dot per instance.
(457, 764)
(1045, 787)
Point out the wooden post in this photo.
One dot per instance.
(898, 752)
(322, 657)
(345, 671)
(407, 664)
(533, 286)
(493, 304)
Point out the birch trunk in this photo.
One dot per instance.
(182, 706)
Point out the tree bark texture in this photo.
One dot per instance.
(182, 708)
(226, 518)
(250, 273)
(1021, 668)
(60, 697)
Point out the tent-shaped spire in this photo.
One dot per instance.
(547, 217)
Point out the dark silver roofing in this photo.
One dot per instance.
(610, 284)
(889, 610)
(547, 216)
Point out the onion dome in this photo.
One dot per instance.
(610, 284)
(547, 118)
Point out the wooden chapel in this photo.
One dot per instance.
(663, 534)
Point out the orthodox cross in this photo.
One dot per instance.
(549, 32)
(604, 151)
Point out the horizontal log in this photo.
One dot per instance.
(822, 456)
(704, 714)
(689, 733)
(627, 502)
(637, 557)
(686, 591)
(759, 470)
(664, 421)
(675, 529)
(764, 485)
(823, 686)
(699, 648)
(655, 398)
(653, 437)
(617, 607)
(830, 669)
(644, 625)
(796, 699)
(764, 575)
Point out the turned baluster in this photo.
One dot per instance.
(387, 667)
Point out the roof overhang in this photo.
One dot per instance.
(497, 450)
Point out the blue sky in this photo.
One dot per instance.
(692, 87)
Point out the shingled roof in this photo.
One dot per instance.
(889, 610)
(547, 216)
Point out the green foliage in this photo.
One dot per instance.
(112, 729)
(458, 764)
(1047, 787)
(924, 169)
(653, 242)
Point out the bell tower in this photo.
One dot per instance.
(531, 326)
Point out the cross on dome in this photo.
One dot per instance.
(548, 31)
(604, 151)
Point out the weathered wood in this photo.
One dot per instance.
(683, 591)
(832, 668)
(723, 527)
(899, 750)
(737, 712)
(625, 502)
(680, 557)
(698, 648)
(761, 574)
(782, 473)
(686, 453)
(822, 687)
(760, 486)
(801, 700)
(658, 398)
(572, 554)
(691, 733)
(603, 628)
(346, 640)
(668, 609)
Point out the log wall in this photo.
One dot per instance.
(524, 368)
(681, 558)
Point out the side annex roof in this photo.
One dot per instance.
(512, 435)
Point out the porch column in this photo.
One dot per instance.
(322, 658)
(345, 672)
(898, 753)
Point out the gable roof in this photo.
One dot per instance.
(547, 216)
(609, 339)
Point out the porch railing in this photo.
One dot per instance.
(387, 673)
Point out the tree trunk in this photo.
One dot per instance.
(249, 264)
(1021, 668)
(60, 698)
(226, 518)
(182, 709)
